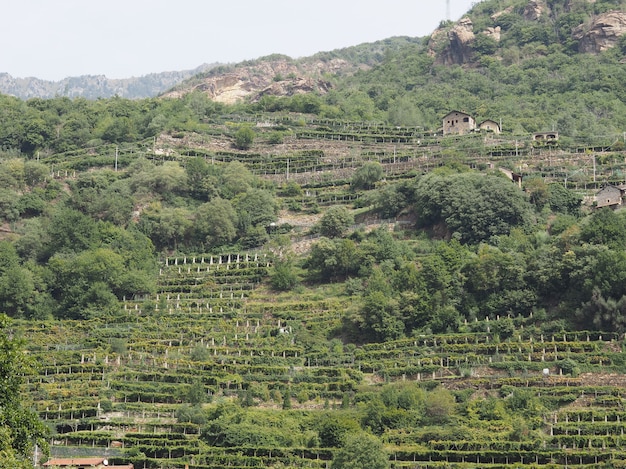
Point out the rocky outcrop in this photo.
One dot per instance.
(498, 14)
(534, 10)
(299, 85)
(278, 77)
(455, 46)
(494, 33)
(602, 34)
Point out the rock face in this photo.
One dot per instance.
(458, 50)
(534, 10)
(506, 11)
(602, 34)
(279, 77)
(495, 33)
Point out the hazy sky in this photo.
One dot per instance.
(54, 39)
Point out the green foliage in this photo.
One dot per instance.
(75, 247)
(244, 137)
(569, 367)
(367, 175)
(283, 277)
(215, 222)
(335, 221)
(361, 451)
(440, 406)
(381, 317)
(255, 207)
(484, 44)
(605, 227)
(563, 200)
(473, 207)
(20, 428)
(334, 430)
(332, 259)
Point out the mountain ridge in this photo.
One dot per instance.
(97, 86)
(506, 31)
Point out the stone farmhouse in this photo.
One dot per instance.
(611, 196)
(461, 123)
(490, 126)
(546, 137)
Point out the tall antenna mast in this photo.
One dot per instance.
(448, 10)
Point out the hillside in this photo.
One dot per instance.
(184, 309)
(279, 75)
(332, 277)
(534, 65)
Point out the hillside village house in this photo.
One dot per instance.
(611, 196)
(461, 123)
(458, 123)
(83, 463)
(545, 137)
(490, 126)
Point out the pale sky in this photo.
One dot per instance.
(54, 39)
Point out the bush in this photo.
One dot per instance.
(244, 137)
(569, 367)
(283, 278)
(335, 222)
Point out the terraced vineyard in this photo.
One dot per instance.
(120, 388)
(155, 384)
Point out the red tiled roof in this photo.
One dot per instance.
(74, 462)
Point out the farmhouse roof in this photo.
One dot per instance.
(88, 462)
(490, 121)
(457, 112)
(84, 462)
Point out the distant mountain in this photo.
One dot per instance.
(97, 86)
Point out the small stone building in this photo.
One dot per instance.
(490, 126)
(610, 196)
(545, 137)
(458, 123)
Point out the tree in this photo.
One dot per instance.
(484, 44)
(255, 207)
(440, 406)
(234, 179)
(244, 137)
(20, 429)
(333, 429)
(472, 206)
(215, 222)
(605, 226)
(35, 173)
(331, 259)
(563, 200)
(89, 283)
(17, 289)
(283, 276)
(201, 179)
(538, 192)
(367, 175)
(69, 230)
(381, 317)
(335, 221)
(168, 227)
(361, 451)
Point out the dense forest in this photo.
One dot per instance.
(350, 231)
